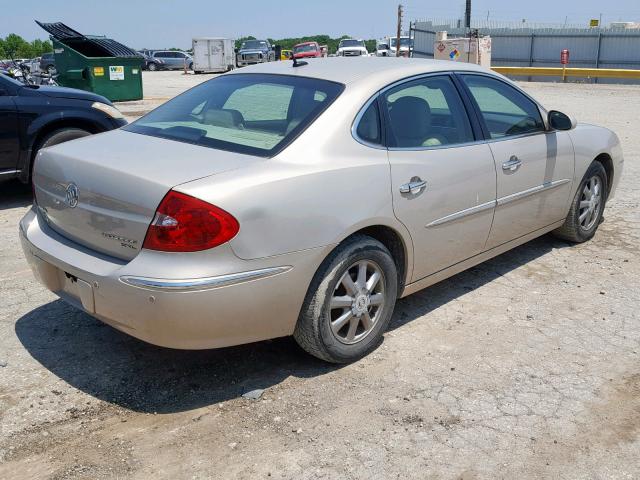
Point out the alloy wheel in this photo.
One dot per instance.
(357, 302)
(590, 203)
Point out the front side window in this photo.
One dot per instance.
(426, 113)
(245, 113)
(505, 110)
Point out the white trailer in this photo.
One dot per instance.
(213, 54)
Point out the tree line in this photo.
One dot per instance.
(17, 47)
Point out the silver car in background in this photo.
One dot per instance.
(282, 200)
(173, 59)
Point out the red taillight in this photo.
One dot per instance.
(185, 224)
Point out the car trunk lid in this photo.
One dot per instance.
(102, 191)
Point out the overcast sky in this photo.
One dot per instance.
(172, 23)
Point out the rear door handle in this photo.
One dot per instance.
(513, 164)
(414, 187)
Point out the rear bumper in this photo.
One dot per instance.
(238, 302)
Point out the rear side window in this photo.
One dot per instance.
(426, 113)
(505, 110)
(245, 113)
(368, 128)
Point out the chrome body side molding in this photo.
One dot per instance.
(202, 283)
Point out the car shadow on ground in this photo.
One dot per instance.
(433, 297)
(14, 194)
(117, 368)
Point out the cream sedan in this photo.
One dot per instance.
(304, 199)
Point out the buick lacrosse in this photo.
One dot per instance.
(306, 199)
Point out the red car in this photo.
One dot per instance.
(307, 50)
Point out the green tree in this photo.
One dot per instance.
(17, 47)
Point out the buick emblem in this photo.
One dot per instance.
(71, 195)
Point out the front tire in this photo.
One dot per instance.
(587, 206)
(152, 67)
(349, 303)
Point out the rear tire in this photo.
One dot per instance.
(587, 207)
(349, 302)
(152, 67)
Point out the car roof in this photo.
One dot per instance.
(349, 70)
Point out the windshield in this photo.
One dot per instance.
(383, 46)
(404, 42)
(254, 44)
(351, 43)
(304, 48)
(245, 113)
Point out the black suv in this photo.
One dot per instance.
(33, 117)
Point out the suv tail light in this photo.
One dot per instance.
(186, 224)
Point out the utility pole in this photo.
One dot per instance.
(399, 31)
(467, 15)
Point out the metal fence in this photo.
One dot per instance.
(525, 45)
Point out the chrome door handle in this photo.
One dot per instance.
(513, 164)
(414, 187)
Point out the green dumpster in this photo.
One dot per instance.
(96, 64)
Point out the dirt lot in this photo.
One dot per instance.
(527, 366)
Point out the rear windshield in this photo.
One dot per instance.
(246, 113)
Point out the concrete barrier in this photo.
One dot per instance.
(568, 72)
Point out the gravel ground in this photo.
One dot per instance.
(527, 366)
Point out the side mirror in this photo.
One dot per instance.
(560, 121)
